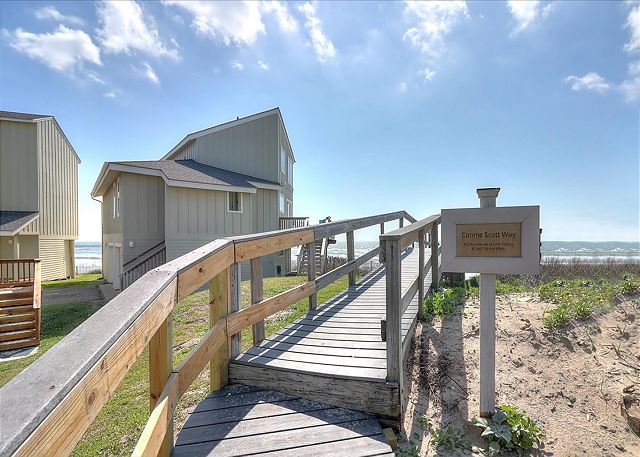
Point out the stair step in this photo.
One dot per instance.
(18, 334)
(16, 344)
(16, 309)
(4, 319)
(16, 301)
(16, 292)
(15, 326)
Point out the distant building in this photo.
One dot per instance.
(231, 179)
(38, 193)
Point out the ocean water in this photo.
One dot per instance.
(88, 253)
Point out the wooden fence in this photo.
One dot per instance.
(53, 401)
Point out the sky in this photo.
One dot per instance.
(388, 106)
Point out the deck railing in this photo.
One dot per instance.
(288, 222)
(392, 245)
(15, 272)
(47, 408)
(148, 260)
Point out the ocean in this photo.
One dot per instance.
(88, 254)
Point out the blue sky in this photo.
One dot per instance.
(388, 105)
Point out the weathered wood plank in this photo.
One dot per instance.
(257, 296)
(351, 255)
(235, 343)
(320, 359)
(250, 249)
(201, 265)
(311, 274)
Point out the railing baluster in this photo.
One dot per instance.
(219, 300)
(435, 271)
(311, 274)
(160, 366)
(421, 272)
(351, 255)
(256, 296)
(236, 341)
(394, 318)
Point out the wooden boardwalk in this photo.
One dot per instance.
(242, 420)
(335, 354)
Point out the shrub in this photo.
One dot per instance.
(452, 439)
(509, 430)
(443, 303)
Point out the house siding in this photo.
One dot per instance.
(250, 148)
(57, 258)
(18, 173)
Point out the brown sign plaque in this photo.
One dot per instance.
(488, 240)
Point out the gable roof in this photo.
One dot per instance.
(14, 116)
(226, 125)
(183, 173)
(11, 222)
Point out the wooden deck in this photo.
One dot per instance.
(242, 420)
(335, 354)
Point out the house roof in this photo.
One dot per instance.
(225, 125)
(12, 115)
(11, 222)
(183, 173)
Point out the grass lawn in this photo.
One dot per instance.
(118, 426)
(79, 280)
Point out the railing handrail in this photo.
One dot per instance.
(143, 256)
(74, 379)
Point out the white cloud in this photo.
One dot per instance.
(123, 29)
(630, 87)
(51, 13)
(427, 73)
(93, 76)
(590, 82)
(63, 50)
(110, 94)
(286, 21)
(264, 66)
(232, 22)
(148, 73)
(322, 46)
(436, 19)
(237, 66)
(633, 23)
(403, 87)
(527, 12)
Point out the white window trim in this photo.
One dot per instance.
(241, 202)
(282, 209)
(290, 171)
(116, 199)
(283, 160)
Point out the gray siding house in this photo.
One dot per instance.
(231, 179)
(38, 193)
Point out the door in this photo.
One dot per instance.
(116, 267)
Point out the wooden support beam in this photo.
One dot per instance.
(219, 300)
(257, 296)
(401, 222)
(235, 344)
(394, 317)
(160, 366)
(421, 272)
(435, 271)
(311, 274)
(351, 255)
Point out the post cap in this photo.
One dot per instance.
(488, 192)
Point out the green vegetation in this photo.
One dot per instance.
(120, 423)
(79, 280)
(509, 430)
(451, 438)
(444, 302)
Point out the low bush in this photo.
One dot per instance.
(509, 430)
(444, 302)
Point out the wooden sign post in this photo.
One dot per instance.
(490, 240)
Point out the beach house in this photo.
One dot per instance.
(231, 179)
(38, 193)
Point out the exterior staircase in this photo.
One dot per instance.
(148, 260)
(20, 294)
(303, 258)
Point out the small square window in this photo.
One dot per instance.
(235, 202)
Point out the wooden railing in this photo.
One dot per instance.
(148, 260)
(288, 222)
(20, 299)
(47, 408)
(392, 245)
(15, 272)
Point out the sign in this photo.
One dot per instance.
(488, 240)
(503, 240)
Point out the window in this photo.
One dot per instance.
(283, 161)
(235, 202)
(290, 172)
(116, 198)
(289, 208)
(282, 207)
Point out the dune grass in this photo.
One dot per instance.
(79, 280)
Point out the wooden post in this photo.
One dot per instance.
(381, 228)
(351, 255)
(421, 272)
(487, 324)
(257, 296)
(401, 222)
(311, 274)
(160, 366)
(381, 254)
(235, 344)
(435, 270)
(394, 319)
(219, 299)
